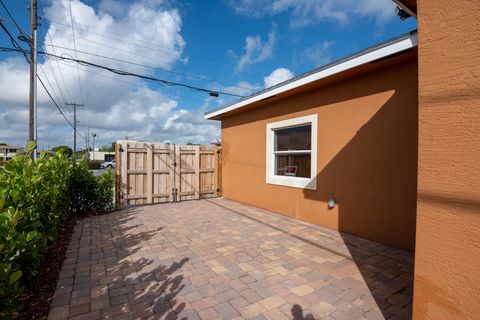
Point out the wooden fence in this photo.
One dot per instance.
(148, 173)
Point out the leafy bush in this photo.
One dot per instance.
(66, 150)
(104, 192)
(94, 164)
(35, 199)
(82, 188)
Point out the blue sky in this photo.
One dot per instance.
(235, 46)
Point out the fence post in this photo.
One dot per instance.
(218, 170)
(118, 176)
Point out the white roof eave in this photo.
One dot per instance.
(381, 52)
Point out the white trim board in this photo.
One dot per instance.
(397, 46)
(295, 182)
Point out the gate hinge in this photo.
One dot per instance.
(174, 194)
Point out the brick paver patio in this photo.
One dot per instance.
(218, 259)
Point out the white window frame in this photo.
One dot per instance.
(295, 182)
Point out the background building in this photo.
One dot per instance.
(7, 152)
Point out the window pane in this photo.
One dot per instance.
(294, 165)
(296, 138)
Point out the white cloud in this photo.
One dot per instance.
(113, 109)
(306, 12)
(242, 88)
(256, 50)
(318, 54)
(277, 76)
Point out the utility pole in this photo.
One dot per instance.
(93, 150)
(87, 139)
(75, 105)
(32, 106)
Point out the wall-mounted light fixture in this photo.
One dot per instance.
(331, 204)
(402, 13)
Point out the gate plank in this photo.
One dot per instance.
(171, 171)
(196, 164)
(149, 170)
(178, 183)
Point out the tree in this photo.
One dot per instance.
(106, 148)
(66, 150)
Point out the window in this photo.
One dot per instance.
(109, 157)
(291, 152)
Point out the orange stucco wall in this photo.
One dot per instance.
(447, 260)
(367, 153)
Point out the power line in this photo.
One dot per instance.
(18, 48)
(75, 47)
(219, 42)
(142, 65)
(54, 102)
(67, 93)
(14, 42)
(74, 105)
(55, 78)
(59, 69)
(123, 81)
(11, 17)
(28, 61)
(50, 65)
(126, 73)
(129, 42)
(24, 34)
(48, 81)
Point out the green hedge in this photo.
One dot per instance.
(35, 199)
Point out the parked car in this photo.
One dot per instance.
(108, 164)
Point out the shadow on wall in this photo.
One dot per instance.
(368, 172)
(373, 180)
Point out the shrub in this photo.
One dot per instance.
(66, 150)
(35, 199)
(104, 193)
(82, 187)
(94, 164)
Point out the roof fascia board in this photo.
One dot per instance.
(382, 52)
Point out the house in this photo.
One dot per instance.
(101, 155)
(346, 131)
(7, 152)
(383, 144)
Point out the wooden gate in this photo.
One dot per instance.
(148, 173)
